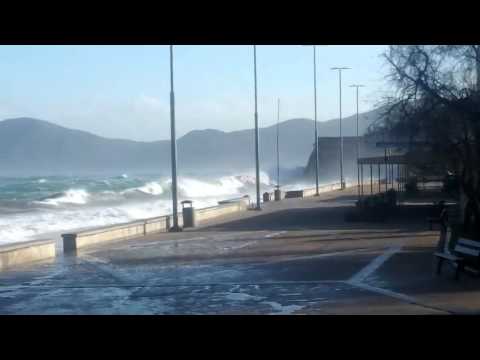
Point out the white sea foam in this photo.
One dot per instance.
(27, 226)
(282, 309)
(192, 188)
(224, 186)
(152, 188)
(86, 208)
(71, 196)
(41, 181)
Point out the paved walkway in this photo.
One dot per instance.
(297, 256)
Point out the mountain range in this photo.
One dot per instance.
(37, 147)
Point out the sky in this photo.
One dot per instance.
(123, 91)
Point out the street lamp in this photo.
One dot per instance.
(173, 149)
(357, 147)
(315, 107)
(342, 181)
(278, 148)
(257, 165)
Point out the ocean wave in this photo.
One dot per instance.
(193, 188)
(232, 185)
(62, 206)
(54, 221)
(71, 196)
(150, 188)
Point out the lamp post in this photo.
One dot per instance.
(357, 86)
(173, 149)
(257, 165)
(278, 148)
(315, 107)
(342, 181)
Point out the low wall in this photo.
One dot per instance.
(74, 241)
(311, 191)
(220, 210)
(294, 194)
(245, 199)
(26, 252)
(158, 224)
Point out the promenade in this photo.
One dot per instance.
(297, 256)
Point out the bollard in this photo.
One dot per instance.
(188, 213)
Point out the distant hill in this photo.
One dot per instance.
(31, 146)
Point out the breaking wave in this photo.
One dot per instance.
(29, 211)
(72, 196)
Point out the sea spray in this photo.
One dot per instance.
(72, 196)
(30, 209)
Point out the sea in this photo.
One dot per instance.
(42, 207)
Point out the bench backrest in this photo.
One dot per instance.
(467, 247)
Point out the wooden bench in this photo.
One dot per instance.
(465, 256)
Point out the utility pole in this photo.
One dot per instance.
(315, 108)
(342, 180)
(173, 149)
(356, 86)
(316, 132)
(257, 165)
(278, 148)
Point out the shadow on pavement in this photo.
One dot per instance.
(407, 218)
(412, 272)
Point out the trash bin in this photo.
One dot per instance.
(266, 197)
(188, 214)
(278, 195)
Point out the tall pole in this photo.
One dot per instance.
(315, 107)
(341, 136)
(315, 101)
(278, 148)
(173, 149)
(356, 86)
(342, 181)
(257, 165)
(357, 138)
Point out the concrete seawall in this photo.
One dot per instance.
(74, 241)
(26, 252)
(220, 210)
(311, 191)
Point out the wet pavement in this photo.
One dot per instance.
(294, 257)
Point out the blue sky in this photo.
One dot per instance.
(123, 91)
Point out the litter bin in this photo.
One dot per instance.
(266, 197)
(188, 214)
(278, 195)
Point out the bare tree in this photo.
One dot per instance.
(436, 100)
